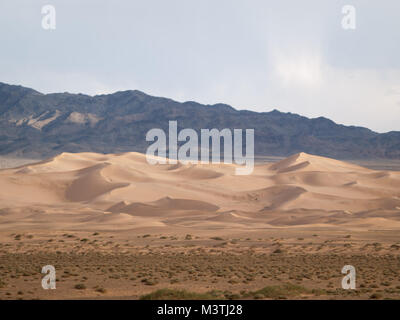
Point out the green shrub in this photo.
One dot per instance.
(278, 292)
(80, 286)
(173, 294)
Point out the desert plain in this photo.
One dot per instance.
(116, 227)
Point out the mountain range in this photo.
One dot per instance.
(37, 125)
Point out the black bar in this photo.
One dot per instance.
(238, 309)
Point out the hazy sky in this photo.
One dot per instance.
(259, 55)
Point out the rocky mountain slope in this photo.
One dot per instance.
(39, 125)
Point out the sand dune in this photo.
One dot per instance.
(123, 191)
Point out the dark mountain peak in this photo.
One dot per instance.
(124, 93)
(16, 89)
(223, 107)
(322, 119)
(192, 103)
(275, 112)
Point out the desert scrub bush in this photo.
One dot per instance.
(375, 296)
(277, 292)
(231, 296)
(188, 237)
(80, 286)
(149, 282)
(173, 294)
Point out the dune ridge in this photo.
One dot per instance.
(122, 191)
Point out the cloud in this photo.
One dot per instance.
(257, 55)
(298, 69)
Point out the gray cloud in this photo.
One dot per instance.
(259, 55)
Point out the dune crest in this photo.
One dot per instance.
(89, 190)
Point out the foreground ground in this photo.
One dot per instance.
(268, 264)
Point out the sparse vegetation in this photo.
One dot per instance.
(172, 294)
(217, 238)
(279, 292)
(233, 266)
(80, 286)
(188, 237)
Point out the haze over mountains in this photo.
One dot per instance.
(39, 125)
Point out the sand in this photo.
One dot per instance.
(116, 227)
(88, 191)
